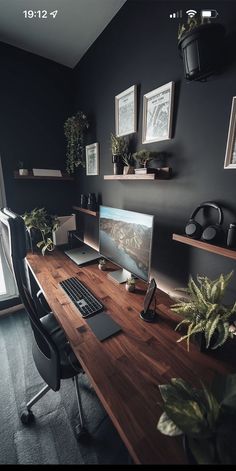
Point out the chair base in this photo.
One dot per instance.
(27, 416)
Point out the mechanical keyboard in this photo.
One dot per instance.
(83, 299)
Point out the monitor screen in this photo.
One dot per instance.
(125, 238)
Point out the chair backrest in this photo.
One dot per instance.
(13, 238)
(45, 352)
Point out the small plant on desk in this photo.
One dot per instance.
(130, 284)
(102, 264)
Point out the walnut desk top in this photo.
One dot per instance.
(125, 369)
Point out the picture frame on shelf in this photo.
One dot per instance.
(92, 159)
(158, 114)
(126, 112)
(230, 154)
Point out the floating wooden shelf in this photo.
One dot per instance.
(30, 176)
(84, 210)
(160, 174)
(224, 251)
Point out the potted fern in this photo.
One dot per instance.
(203, 312)
(206, 417)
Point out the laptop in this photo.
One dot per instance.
(82, 255)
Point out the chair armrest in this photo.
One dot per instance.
(43, 303)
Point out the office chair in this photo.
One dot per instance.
(52, 353)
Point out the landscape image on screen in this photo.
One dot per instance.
(125, 239)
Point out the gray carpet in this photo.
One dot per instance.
(51, 439)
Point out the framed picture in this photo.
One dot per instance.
(126, 111)
(92, 159)
(157, 114)
(230, 155)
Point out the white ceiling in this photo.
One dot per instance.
(64, 39)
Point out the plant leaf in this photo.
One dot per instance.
(210, 329)
(167, 426)
(202, 450)
(187, 415)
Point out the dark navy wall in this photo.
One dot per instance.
(35, 100)
(140, 47)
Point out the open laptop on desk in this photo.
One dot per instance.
(82, 255)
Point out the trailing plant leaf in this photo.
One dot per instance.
(74, 128)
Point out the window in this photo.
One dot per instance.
(7, 283)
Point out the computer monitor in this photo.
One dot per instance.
(125, 238)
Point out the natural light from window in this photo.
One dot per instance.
(2, 282)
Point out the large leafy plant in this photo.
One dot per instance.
(206, 416)
(74, 128)
(204, 312)
(45, 224)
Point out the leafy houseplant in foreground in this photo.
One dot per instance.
(39, 220)
(74, 128)
(204, 312)
(206, 416)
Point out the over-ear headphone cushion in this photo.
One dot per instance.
(213, 233)
(193, 229)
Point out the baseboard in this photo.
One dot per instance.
(11, 310)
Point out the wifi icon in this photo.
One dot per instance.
(191, 13)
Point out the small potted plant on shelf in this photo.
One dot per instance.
(143, 157)
(205, 417)
(74, 128)
(128, 160)
(40, 226)
(200, 43)
(204, 314)
(22, 171)
(102, 264)
(130, 284)
(119, 148)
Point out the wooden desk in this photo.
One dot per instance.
(126, 369)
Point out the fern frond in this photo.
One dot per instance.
(210, 329)
(223, 334)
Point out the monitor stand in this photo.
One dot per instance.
(119, 276)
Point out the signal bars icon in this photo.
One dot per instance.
(178, 14)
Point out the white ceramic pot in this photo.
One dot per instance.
(23, 171)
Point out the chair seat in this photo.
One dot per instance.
(69, 364)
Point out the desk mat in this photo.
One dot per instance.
(103, 325)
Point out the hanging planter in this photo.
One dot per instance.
(74, 128)
(201, 47)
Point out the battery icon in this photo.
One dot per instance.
(209, 13)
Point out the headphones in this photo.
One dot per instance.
(209, 233)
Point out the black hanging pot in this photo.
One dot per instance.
(202, 50)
